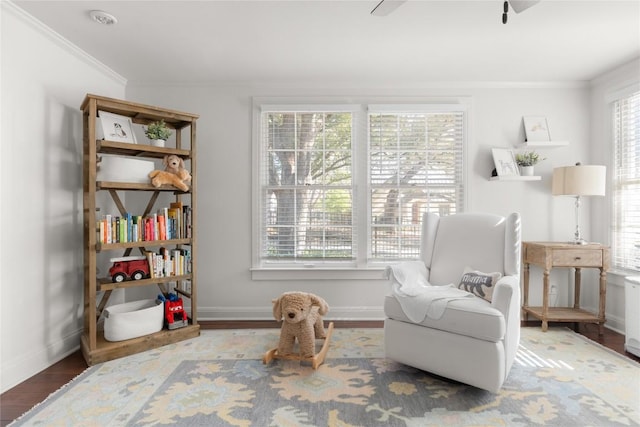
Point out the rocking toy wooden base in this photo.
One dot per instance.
(316, 360)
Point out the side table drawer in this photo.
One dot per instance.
(577, 258)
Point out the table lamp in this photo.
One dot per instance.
(579, 181)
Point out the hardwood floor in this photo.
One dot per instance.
(24, 396)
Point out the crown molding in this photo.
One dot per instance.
(17, 11)
(364, 85)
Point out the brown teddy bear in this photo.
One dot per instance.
(174, 173)
(302, 313)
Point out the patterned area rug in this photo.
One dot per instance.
(559, 379)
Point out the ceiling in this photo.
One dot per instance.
(339, 41)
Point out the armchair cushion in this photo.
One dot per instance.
(464, 240)
(472, 317)
(479, 283)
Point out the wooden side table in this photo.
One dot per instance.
(551, 254)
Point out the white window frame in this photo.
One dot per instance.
(612, 99)
(361, 268)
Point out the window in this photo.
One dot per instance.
(626, 183)
(415, 166)
(346, 185)
(307, 186)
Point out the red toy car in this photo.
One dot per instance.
(129, 267)
(174, 313)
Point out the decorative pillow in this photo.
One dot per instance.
(479, 283)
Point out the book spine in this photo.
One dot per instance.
(187, 221)
(100, 230)
(155, 227)
(117, 230)
(140, 228)
(165, 214)
(161, 228)
(134, 228)
(151, 265)
(108, 229)
(130, 228)
(177, 262)
(177, 208)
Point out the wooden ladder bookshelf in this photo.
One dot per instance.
(97, 290)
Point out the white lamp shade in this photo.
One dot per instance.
(587, 180)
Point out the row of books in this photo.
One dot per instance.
(173, 222)
(167, 263)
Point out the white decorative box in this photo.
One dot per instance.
(133, 319)
(124, 169)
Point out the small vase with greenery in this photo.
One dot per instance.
(527, 160)
(158, 131)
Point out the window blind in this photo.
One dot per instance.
(307, 188)
(415, 166)
(626, 183)
(346, 184)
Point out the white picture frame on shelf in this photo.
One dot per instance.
(505, 162)
(536, 129)
(117, 128)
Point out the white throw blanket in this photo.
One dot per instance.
(417, 297)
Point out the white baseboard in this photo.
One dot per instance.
(15, 371)
(266, 313)
(615, 323)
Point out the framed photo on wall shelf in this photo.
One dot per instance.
(505, 162)
(536, 128)
(116, 128)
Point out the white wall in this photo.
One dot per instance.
(224, 152)
(44, 81)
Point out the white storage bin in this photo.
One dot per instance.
(133, 319)
(124, 169)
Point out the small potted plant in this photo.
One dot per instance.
(526, 161)
(158, 133)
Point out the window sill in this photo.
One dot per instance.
(318, 273)
(616, 277)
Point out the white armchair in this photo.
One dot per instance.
(473, 341)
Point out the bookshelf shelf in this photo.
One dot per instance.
(106, 350)
(143, 244)
(98, 290)
(105, 283)
(137, 150)
(132, 186)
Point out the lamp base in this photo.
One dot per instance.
(577, 237)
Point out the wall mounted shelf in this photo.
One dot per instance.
(515, 178)
(546, 144)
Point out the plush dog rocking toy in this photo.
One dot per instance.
(302, 313)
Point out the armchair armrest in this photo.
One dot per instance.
(506, 298)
